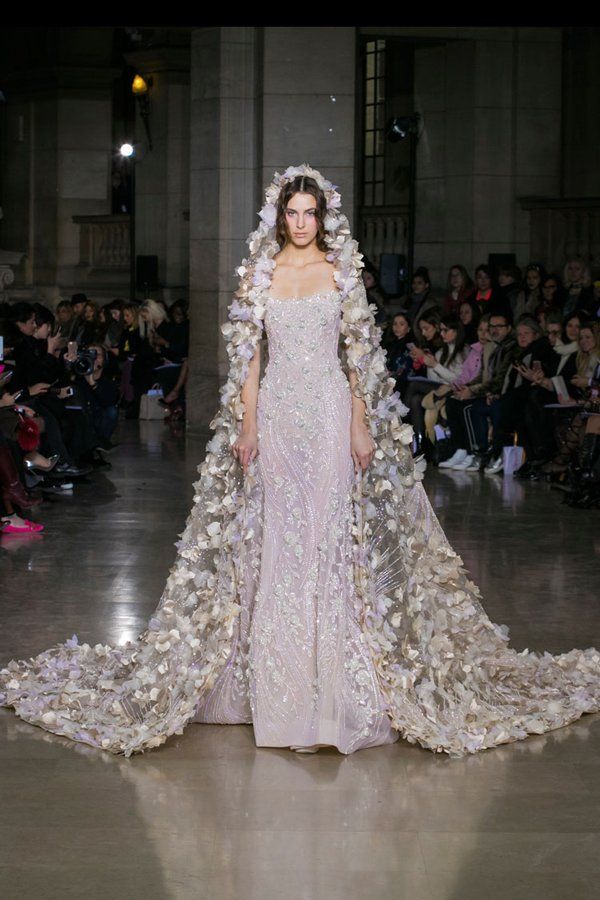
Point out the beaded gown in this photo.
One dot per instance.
(300, 669)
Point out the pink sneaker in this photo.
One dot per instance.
(28, 528)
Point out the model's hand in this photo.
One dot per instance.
(363, 447)
(245, 448)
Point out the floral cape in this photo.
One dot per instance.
(451, 681)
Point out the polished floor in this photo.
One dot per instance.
(208, 815)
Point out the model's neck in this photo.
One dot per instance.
(301, 256)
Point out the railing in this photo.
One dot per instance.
(562, 228)
(104, 241)
(383, 230)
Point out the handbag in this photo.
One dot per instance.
(150, 405)
(28, 433)
(512, 457)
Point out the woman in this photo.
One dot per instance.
(443, 367)
(469, 314)
(577, 279)
(420, 301)
(130, 343)
(459, 287)
(320, 545)
(396, 342)
(529, 297)
(487, 296)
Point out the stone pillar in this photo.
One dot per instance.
(224, 196)
(262, 99)
(491, 109)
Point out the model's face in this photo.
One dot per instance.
(525, 336)
(400, 327)
(483, 333)
(586, 340)
(42, 331)
(533, 279)
(572, 329)
(301, 219)
(428, 330)
(27, 327)
(504, 279)
(64, 314)
(483, 280)
(419, 285)
(553, 333)
(465, 314)
(448, 334)
(128, 317)
(456, 279)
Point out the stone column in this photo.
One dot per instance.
(262, 99)
(224, 197)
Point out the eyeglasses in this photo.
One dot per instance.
(498, 326)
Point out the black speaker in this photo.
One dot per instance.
(392, 273)
(146, 273)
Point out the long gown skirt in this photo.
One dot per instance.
(310, 675)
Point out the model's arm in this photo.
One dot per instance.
(361, 443)
(245, 447)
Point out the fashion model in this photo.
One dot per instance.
(314, 593)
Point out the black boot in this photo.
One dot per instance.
(588, 457)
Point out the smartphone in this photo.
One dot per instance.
(18, 394)
(70, 392)
(72, 350)
(536, 365)
(1, 347)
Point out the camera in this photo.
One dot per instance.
(84, 364)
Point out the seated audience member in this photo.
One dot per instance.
(487, 296)
(441, 366)
(467, 410)
(129, 345)
(64, 318)
(375, 293)
(174, 348)
(520, 408)
(553, 299)
(577, 280)
(529, 297)
(395, 341)
(90, 333)
(509, 281)
(421, 300)
(459, 287)
(470, 314)
(78, 303)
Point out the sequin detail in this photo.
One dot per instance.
(310, 675)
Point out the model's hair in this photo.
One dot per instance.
(302, 184)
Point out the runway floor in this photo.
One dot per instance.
(209, 815)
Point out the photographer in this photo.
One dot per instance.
(99, 396)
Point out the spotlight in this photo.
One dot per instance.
(126, 150)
